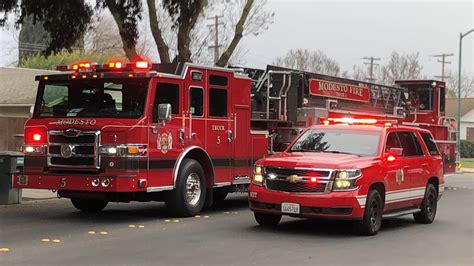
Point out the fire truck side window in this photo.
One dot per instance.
(430, 144)
(425, 96)
(166, 93)
(218, 102)
(196, 99)
(410, 144)
(218, 80)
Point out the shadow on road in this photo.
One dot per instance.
(329, 228)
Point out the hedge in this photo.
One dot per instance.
(467, 149)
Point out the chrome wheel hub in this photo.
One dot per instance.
(193, 189)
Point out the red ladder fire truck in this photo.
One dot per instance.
(190, 134)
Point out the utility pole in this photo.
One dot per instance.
(371, 64)
(443, 62)
(216, 39)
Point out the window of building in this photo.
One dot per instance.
(166, 93)
(196, 101)
(218, 102)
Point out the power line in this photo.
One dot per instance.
(371, 64)
(443, 62)
(216, 45)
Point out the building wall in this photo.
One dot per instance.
(11, 129)
(467, 121)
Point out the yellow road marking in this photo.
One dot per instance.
(56, 241)
(235, 212)
(131, 225)
(167, 221)
(198, 216)
(227, 212)
(91, 232)
(206, 217)
(103, 233)
(4, 249)
(45, 240)
(176, 221)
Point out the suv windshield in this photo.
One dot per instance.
(361, 143)
(121, 98)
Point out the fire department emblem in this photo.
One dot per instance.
(400, 176)
(165, 142)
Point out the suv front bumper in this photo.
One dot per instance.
(338, 205)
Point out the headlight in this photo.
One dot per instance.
(345, 179)
(123, 150)
(34, 149)
(258, 175)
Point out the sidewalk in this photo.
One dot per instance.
(37, 194)
(467, 170)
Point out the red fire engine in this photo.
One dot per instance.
(190, 134)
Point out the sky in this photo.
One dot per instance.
(349, 30)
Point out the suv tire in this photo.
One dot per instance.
(267, 219)
(428, 206)
(372, 220)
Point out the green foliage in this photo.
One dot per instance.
(467, 149)
(64, 58)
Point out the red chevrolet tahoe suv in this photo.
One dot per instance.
(359, 172)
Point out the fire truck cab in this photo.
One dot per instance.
(351, 169)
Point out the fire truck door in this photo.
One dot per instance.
(164, 143)
(220, 129)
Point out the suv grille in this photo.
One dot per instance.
(78, 150)
(278, 179)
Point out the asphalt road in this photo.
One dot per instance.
(143, 233)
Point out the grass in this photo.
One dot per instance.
(467, 164)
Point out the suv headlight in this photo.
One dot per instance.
(345, 179)
(258, 175)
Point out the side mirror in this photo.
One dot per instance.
(164, 112)
(397, 151)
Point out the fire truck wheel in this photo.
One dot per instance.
(428, 206)
(190, 193)
(267, 219)
(89, 205)
(372, 220)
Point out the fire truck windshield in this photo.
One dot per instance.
(361, 143)
(120, 98)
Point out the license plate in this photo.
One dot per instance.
(293, 208)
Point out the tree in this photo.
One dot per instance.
(399, 67)
(467, 85)
(63, 58)
(65, 21)
(312, 61)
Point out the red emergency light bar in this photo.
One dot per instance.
(358, 121)
(111, 66)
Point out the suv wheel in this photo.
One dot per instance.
(372, 220)
(89, 205)
(267, 219)
(428, 206)
(190, 193)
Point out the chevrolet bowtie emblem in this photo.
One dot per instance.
(293, 178)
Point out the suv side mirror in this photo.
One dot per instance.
(397, 151)
(164, 112)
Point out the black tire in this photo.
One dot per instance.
(428, 206)
(89, 205)
(219, 195)
(372, 220)
(177, 201)
(267, 219)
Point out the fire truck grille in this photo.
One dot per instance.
(280, 179)
(73, 148)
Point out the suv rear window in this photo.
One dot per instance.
(430, 143)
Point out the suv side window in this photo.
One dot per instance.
(430, 144)
(410, 144)
(392, 142)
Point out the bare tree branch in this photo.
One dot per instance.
(163, 49)
(239, 30)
